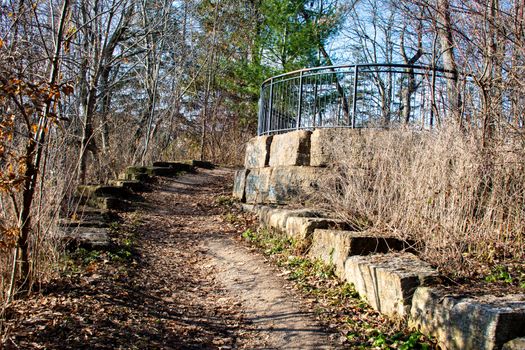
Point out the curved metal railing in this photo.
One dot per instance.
(360, 96)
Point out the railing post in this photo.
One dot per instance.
(270, 108)
(262, 115)
(300, 107)
(354, 101)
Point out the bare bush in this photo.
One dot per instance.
(463, 204)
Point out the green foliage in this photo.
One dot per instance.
(226, 201)
(504, 274)
(294, 30)
(249, 235)
(121, 255)
(84, 256)
(499, 273)
(399, 341)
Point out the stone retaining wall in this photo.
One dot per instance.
(287, 167)
(396, 283)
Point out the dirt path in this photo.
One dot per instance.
(191, 285)
(269, 315)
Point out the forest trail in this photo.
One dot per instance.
(194, 285)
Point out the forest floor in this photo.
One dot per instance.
(192, 272)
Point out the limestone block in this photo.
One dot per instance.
(108, 203)
(258, 152)
(515, 344)
(484, 322)
(134, 172)
(258, 185)
(388, 281)
(103, 191)
(178, 166)
(324, 141)
(293, 183)
(262, 211)
(302, 228)
(86, 237)
(277, 218)
(292, 148)
(132, 185)
(203, 164)
(239, 184)
(334, 246)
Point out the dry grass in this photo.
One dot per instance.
(464, 205)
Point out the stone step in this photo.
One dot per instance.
(86, 237)
(178, 166)
(463, 322)
(89, 217)
(91, 222)
(302, 228)
(132, 185)
(87, 213)
(130, 174)
(203, 164)
(335, 246)
(102, 191)
(138, 172)
(388, 281)
(107, 203)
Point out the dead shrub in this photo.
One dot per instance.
(463, 204)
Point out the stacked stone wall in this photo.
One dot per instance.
(287, 167)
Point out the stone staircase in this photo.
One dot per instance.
(89, 226)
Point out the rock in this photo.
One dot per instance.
(277, 218)
(107, 197)
(177, 166)
(485, 322)
(250, 208)
(108, 203)
(302, 228)
(335, 246)
(132, 185)
(281, 184)
(203, 164)
(102, 191)
(143, 173)
(292, 148)
(141, 177)
(257, 185)
(239, 184)
(91, 222)
(293, 183)
(86, 237)
(388, 281)
(161, 171)
(263, 212)
(515, 344)
(324, 141)
(330, 143)
(92, 214)
(258, 152)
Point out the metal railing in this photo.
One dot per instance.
(360, 96)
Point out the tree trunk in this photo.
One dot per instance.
(446, 40)
(32, 162)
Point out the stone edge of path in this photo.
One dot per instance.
(398, 284)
